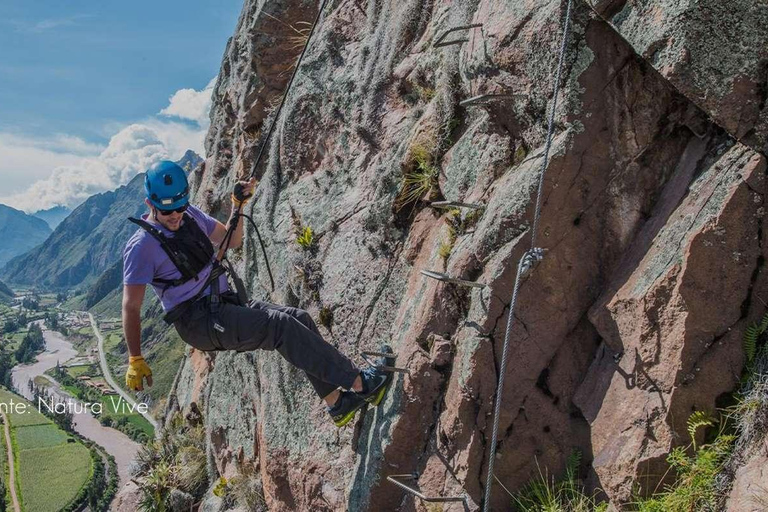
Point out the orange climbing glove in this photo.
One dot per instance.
(138, 369)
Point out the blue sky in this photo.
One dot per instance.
(76, 74)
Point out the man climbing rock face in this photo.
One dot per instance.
(173, 250)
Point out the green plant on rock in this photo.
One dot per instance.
(420, 174)
(751, 338)
(547, 495)
(453, 220)
(191, 473)
(325, 317)
(697, 420)
(172, 466)
(520, 153)
(695, 487)
(220, 489)
(155, 488)
(470, 220)
(305, 238)
(445, 249)
(425, 93)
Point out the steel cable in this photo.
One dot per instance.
(527, 261)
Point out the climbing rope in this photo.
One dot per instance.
(527, 261)
(228, 236)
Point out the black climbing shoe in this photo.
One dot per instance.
(375, 385)
(346, 407)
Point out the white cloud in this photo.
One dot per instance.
(47, 24)
(25, 160)
(130, 151)
(191, 104)
(66, 170)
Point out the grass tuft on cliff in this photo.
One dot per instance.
(172, 468)
(420, 174)
(545, 494)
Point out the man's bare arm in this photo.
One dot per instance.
(133, 296)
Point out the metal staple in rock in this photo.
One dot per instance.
(526, 261)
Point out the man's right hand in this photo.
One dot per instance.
(138, 370)
(243, 192)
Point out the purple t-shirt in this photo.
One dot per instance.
(145, 260)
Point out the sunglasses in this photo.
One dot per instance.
(180, 209)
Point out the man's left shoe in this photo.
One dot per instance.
(345, 408)
(375, 385)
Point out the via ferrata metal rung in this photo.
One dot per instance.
(448, 279)
(455, 204)
(389, 358)
(484, 99)
(440, 41)
(395, 479)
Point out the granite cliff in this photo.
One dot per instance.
(652, 218)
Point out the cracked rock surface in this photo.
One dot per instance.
(652, 221)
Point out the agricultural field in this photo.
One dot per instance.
(52, 465)
(48, 299)
(82, 369)
(14, 340)
(82, 339)
(51, 477)
(5, 312)
(113, 339)
(42, 381)
(40, 436)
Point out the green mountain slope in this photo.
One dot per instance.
(19, 232)
(109, 281)
(6, 294)
(84, 245)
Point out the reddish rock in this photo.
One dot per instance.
(668, 320)
(750, 487)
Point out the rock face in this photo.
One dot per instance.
(750, 490)
(652, 218)
(713, 52)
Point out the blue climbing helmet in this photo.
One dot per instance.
(166, 185)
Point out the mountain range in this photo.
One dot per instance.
(88, 242)
(19, 232)
(53, 216)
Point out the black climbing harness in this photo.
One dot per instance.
(191, 252)
(189, 249)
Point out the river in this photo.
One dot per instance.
(117, 444)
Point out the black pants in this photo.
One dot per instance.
(266, 326)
